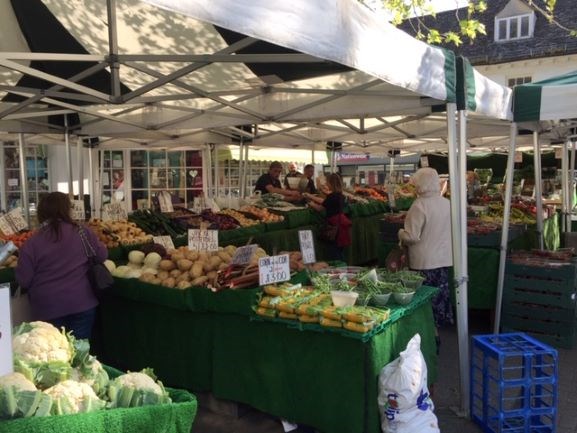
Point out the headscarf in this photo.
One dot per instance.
(427, 181)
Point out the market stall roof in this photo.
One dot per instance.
(180, 71)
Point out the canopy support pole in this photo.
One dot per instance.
(80, 161)
(68, 158)
(113, 49)
(23, 177)
(457, 175)
(505, 226)
(564, 186)
(102, 156)
(91, 188)
(571, 187)
(241, 169)
(209, 171)
(216, 171)
(538, 193)
(246, 168)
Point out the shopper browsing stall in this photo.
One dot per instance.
(53, 267)
(270, 183)
(427, 234)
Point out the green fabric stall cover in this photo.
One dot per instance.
(117, 254)
(176, 417)
(7, 275)
(273, 227)
(176, 344)
(138, 291)
(321, 379)
(365, 239)
(298, 218)
(227, 301)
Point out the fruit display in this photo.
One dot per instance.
(219, 221)
(158, 224)
(407, 190)
(18, 238)
(242, 219)
(262, 214)
(374, 193)
(116, 233)
(543, 258)
(480, 227)
(54, 374)
(296, 262)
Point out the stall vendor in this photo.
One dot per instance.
(307, 183)
(270, 183)
(292, 172)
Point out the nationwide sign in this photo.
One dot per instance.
(352, 157)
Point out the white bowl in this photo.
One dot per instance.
(343, 299)
(403, 298)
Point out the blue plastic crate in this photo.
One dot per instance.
(513, 384)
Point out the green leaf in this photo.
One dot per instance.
(434, 37)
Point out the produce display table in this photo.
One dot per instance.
(213, 343)
(176, 417)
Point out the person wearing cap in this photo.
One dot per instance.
(269, 183)
(292, 172)
(427, 234)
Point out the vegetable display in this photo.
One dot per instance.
(18, 238)
(56, 375)
(243, 220)
(262, 214)
(116, 233)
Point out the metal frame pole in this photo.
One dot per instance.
(216, 172)
(564, 186)
(101, 155)
(247, 168)
(80, 161)
(571, 187)
(505, 228)
(538, 193)
(23, 177)
(241, 169)
(113, 49)
(68, 158)
(91, 188)
(3, 189)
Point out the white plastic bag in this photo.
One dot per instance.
(404, 401)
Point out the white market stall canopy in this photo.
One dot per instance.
(204, 68)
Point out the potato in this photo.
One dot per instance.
(183, 285)
(166, 265)
(230, 249)
(223, 266)
(175, 273)
(197, 269)
(185, 276)
(224, 256)
(192, 256)
(211, 275)
(169, 282)
(146, 278)
(200, 281)
(184, 265)
(156, 281)
(163, 275)
(177, 256)
(207, 266)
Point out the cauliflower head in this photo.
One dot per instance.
(137, 389)
(140, 381)
(18, 381)
(93, 374)
(70, 396)
(41, 342)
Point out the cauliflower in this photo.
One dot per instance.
(20, 398)
(73, 397)
(137, 389)
(93, 374)
(41, 342)
(42, 353)
(18, 381)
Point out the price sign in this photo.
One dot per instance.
(559, 153)
(17, 219)
(518, 157)
(307, 244)
(165, 202)
(6, 362)
(424, 161)
(78, 213)
(273, 269)
(202, 240)
(165, 241)
(114, 212)
(243, 255)
(5, 225)
(13, 182)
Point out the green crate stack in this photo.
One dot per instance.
(540, 301)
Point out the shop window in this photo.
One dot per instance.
(517, 81)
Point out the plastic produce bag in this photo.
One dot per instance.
(397, 259)
(404, 401)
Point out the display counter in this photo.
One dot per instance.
(215, 343)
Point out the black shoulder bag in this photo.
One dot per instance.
(98, 275)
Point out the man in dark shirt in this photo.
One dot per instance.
(292, 172)
(270, 183)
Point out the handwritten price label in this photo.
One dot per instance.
(165, 241)
(307, 244)
(78, 213)
(202, 240)
(114, 212)
(273, 269)
(243, 255)
(5, 225)
(18, 220)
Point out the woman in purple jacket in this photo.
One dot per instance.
(53, 266)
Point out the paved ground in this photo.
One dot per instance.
(222, 417)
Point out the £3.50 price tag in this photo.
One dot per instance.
(202, 240)
(242, 255)
(165, 241)
(307, 244)
(273, 269)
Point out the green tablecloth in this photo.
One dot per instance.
(167, 418)
(323, 379)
